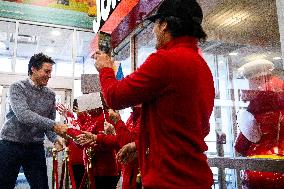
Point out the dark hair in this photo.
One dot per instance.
(184, 18)
(37, 61)
(179, 27)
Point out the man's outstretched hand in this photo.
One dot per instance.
(127, 153)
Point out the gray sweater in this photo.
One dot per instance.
(31, 113)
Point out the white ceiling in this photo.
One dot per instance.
(246, 27)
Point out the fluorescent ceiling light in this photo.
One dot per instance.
(233, 54)
(56, 33)
(277, 58)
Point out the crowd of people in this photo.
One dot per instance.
(160, 146)
(162, 143)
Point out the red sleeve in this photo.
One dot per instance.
(69, 114)
(242, 144)
(142, 85)
(109, 141)
(122, 133)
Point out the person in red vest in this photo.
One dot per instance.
(104, 170)
(127, 134)
(262, 123)
(104, 165)
(75, 151)
(176, 89)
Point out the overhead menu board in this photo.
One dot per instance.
(74, 13)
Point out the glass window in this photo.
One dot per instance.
(84, 50)
(7, 30)
(79, 67)
(21, 65)
(54, 42)
(240, 43)
(243, 51)
(77, 88)
(1, 88)
(145, 44)
(63, 68)
(84, 64)
(123, 58)
(89, 67)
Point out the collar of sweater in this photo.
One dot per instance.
(34, 85)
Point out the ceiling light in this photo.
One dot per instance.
(56, 33)
(233, 54)
(236, 18)
(277, 58)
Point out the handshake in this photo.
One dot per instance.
(83, 138)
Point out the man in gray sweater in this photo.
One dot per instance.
(31, 116)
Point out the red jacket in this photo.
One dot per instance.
(126, 134)
(175, 87)
(104, 161)
(75, 153)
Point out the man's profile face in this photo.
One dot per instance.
(42, 75)
(158, 35)
(159, 31)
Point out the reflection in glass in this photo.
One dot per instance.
(83, 63)
(123, 58)
(240, 37)
(77, 88)
(7, 30)
(145, 44)
(35, 39)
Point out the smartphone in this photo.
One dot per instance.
(105, 42)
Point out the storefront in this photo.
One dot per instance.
(239, 32)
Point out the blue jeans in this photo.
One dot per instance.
(30, 156)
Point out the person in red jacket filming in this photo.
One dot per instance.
(175, 87)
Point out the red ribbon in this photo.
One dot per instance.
(73, 183)
(55, 174)
(91, 179)
(83, 180)
(86, 122)
(62, 176)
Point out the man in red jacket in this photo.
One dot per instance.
(175, 87)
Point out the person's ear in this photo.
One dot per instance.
(164, 26)
(33, 70)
